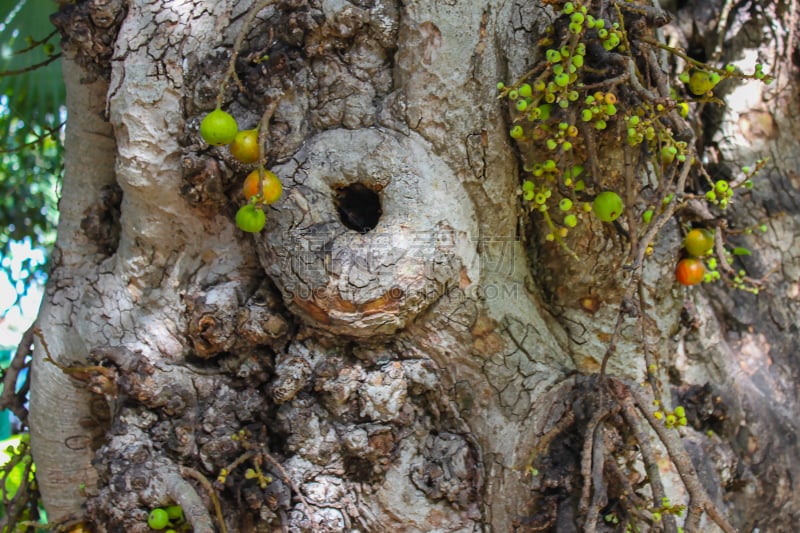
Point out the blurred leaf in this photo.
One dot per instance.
(15, 463)
(31, 115)
(27, 39)
(8, 449)
(741, 251)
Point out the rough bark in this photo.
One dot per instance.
(742, 352)
(61, 407)
(406, 377)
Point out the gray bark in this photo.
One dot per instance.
(406, 377)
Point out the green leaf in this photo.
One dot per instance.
(741, 251)
(13, 479)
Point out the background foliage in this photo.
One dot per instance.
(32, 114)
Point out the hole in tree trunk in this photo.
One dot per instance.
(359, 207)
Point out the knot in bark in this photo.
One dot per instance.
(372, 231)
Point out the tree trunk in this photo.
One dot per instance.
(403, 348)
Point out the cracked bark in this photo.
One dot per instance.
(399, 378)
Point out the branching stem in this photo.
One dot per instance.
(237, 46)
(9, 398)
(185, 496)
(638, 264)
(699, 500)
(630, 413)
(30, 68)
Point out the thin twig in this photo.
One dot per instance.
(30, 68)
(263, 134)
(721, 29)
(696, 63)
(599, 495)
(792, 28)
(50, 132)
(698, 497)
(629, 412)
(722, 263)
(628, 490)
(293, 485)
(668, 211)
(633, 72)
(9, 399)
(200, 521)
(237, 46)
(630, 193)
(592, 464)
(661, 80)
(238, 461)
(649, 360)
(544, 441)
(591, 152)
(590, 436)
(35, 43)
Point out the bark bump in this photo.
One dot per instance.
(416, 239)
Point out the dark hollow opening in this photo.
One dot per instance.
(359, 207)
